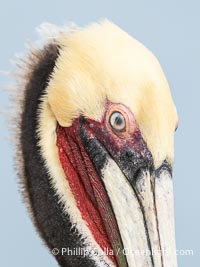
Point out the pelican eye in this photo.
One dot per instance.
(117, 121)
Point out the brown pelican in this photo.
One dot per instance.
(96, 141)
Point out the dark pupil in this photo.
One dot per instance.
(119, 121)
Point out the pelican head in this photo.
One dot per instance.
(97, 134)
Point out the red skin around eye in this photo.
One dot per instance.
(86, 185)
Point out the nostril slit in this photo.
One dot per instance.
(137, 174)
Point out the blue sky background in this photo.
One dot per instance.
(171, 30)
